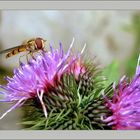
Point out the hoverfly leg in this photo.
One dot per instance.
(32, 55)
(27, 57)
(42, 52)
(20, 58)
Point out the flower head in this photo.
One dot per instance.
(125, 104)
(32, 80)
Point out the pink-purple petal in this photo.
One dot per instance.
(37, 75)
(125, 105)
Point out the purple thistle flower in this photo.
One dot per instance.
(125, 104)
(32, 80)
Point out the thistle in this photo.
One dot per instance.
(58, 91)
(125, 104)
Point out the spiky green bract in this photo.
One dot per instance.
(73, 104)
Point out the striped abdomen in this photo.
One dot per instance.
(31, 45)
(15, 51)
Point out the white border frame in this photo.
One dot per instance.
(70, 134)
(70, 5)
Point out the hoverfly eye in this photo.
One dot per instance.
(39, 43)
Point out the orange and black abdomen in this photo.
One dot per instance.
(15, 51)
(31, 45)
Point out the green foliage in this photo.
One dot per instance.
(133, 28)
(3, 72)
(131, 64)
(73, 104)
(112, 73)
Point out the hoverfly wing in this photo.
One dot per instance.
(9, 50)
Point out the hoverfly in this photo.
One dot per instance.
(30, 46)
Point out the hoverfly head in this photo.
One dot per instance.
(40, 43)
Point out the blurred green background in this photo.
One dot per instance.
(112, 36)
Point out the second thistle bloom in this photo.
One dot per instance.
(125, 104)
(33, 80)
